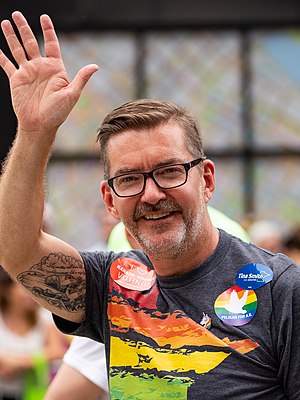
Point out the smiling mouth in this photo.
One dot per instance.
(156, 216)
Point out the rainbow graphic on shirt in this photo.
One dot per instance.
(156, 355)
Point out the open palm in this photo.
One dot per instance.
(42, 95)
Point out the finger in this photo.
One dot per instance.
(13, 42)
(52, 48)
(82, 78)
(28, 39)
(7, 66)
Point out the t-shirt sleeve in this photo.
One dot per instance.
(95, 302)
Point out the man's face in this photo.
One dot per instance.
(166, 223)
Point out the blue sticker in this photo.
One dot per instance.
(253, 276)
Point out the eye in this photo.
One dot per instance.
(171, 170)
(126, 180)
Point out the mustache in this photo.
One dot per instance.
(163, 205)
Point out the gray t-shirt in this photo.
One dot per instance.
(198, 335)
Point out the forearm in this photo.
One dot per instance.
(71, 384)
(12, 364)
(22, 201)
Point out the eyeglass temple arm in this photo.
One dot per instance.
(197, 161)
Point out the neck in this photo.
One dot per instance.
(199, 251)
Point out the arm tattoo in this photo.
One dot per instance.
(57, 279)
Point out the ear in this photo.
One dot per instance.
(109, 199)
(209, 179)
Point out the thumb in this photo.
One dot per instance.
(82, 77)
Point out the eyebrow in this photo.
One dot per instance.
(170, 161)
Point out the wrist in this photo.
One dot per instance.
(36, 136)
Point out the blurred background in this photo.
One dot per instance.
(234, 63)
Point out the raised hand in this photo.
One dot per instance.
(42, 95)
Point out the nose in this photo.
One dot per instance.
(152, 194)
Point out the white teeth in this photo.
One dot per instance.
(156, 216)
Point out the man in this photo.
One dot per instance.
(198, 313)
(82, 373)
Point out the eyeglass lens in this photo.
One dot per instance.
(166, 177)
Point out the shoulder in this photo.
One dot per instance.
(244, 253)
(286, 273)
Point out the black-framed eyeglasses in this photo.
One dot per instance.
(168, 177)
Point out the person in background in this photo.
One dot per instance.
(82, 374)
(28, 341)
(292, 244)
(197, 313)
(106, 224)
(266, 234)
